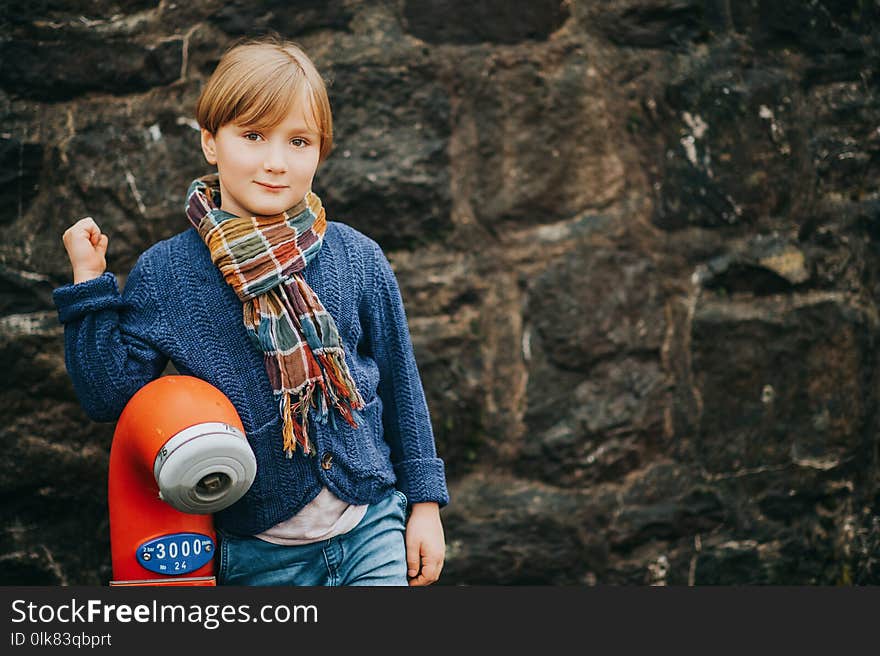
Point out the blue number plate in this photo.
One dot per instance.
(176, 554)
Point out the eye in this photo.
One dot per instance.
(252, 136)
(302, 141)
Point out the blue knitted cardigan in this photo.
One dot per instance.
(177, 306)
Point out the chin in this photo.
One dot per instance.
(267, 211)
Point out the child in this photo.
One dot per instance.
(297, 320)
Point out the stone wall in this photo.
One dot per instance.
(637, 241)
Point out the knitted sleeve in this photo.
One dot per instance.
(110, 339)
(406, 421)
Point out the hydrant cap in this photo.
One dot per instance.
(205, 468)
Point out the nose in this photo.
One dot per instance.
(275, 161)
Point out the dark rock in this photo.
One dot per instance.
(579, 428)
(594, 431)
(766, 264)
(730, 563)
(444, 299)
(389, 174)
(454, 397)
(790, 505)
(841, 239)
(46, 71)
(844, 144)
(595, 303)
(798, 510)
(778, 401)
(21, 166)
(538, 144)
(23, 13)
(663, 502)
(243, 18)
(34, 567)
(858, 549)
(509, 531)
(24, 292)
(654, 23)
(131, 173)
(497, 21)
(733, 151)
(817, 27)
(91, 9)
(46, 434)
(660, 480)
(664, 521)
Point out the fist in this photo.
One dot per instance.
(86, 247)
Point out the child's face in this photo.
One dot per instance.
(264, 171)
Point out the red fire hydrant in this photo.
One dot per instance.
(179, 453)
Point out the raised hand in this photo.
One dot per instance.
(86, 247)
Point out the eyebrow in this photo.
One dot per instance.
(304, 129)
(301, 129)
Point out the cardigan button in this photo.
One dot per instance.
(327, 460)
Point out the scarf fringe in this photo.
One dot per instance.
(341, 392)
(294, 411)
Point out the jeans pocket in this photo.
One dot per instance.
(222, 557)
(401, 497)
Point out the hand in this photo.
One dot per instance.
(425, 545)
(87, 249)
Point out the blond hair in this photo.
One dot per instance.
(257, 82)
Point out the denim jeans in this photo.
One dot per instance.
(372, 553)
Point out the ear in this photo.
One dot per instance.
(209, 148)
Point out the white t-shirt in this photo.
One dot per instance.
(323, 517)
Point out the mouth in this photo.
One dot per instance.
(271, 186)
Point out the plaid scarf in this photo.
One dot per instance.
(262, 259)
